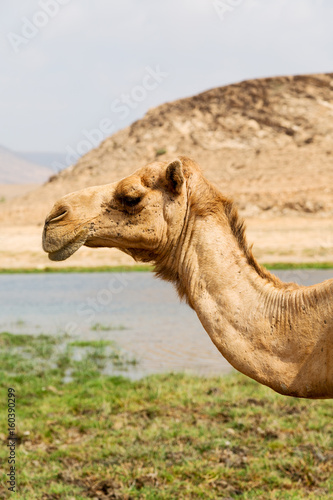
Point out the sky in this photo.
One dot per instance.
(75, 71)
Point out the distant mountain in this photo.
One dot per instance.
(53, 161)
(14, 169)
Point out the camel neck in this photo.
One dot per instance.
(211, 259)
(263, 328)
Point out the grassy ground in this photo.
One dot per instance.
(143, 268)
(85, 435)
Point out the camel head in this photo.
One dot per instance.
(142, 214)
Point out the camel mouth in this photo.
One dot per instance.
(69, 248)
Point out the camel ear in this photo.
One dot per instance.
(174, 176)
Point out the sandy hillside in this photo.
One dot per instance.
(266, 143)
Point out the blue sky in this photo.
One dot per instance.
(67, 64)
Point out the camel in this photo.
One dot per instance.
(279, 334)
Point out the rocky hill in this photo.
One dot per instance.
(267, 143)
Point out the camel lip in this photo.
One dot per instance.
(69, 248)
(64, 252)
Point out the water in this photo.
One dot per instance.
(147, 319)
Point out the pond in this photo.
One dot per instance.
(142, 314)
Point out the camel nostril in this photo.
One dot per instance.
(56, 216)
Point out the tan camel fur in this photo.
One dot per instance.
(279, 334)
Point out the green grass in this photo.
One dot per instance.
(169, 436)
(307, 265)
(161, 151)
(99, 327)
(91, 343)
(145, 268)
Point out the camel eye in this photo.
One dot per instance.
(130, 201)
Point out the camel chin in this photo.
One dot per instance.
(66, 251)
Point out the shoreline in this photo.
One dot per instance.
(146, 268)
